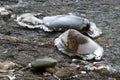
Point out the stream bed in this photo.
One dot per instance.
(22, 45)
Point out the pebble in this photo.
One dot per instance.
(43, 63)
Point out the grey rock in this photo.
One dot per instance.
(43, 63)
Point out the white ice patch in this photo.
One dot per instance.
(59, 44)
(99, 53)
(88, 57)
(45, 28)
(3, 11)
(83, 72)
(99, 67)
(29, 20)
(94, 31)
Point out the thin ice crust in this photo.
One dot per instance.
(29, 20)
(5, 11)
(94, 31)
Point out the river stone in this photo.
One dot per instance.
(65, 22)
(43, 63)
(73, 43)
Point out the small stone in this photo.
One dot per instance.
(99, 67)
(65, 73)
(51, 70)
(75, 60)
(83, 72)
(104, 71)
(43, 63)
(46, 74)
(74, 66)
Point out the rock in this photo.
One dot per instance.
(65, 73)
(65, 22)
(104, 71)
(74, 66)
(99, 67)
(6, 12)
(73, 43)
(43, 63)
(51, 70)
(7, 65)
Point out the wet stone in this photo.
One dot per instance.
(43, 63)
(73, 43)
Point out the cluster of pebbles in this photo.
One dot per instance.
(76, 39)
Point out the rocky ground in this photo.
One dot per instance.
(21, 45)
